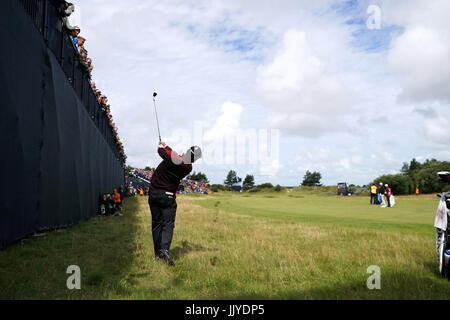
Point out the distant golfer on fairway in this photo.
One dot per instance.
(162, 195)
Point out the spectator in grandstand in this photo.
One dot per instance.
(70, 9)
(65, 10)
(73, 36)
(89, 70)
(103, 102)
(81, 49)
(81, 42)
(75, 42)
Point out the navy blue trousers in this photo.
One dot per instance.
(163, 208)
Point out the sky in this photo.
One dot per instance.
(351, 89)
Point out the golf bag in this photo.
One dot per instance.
(442, 225)
(392, 199)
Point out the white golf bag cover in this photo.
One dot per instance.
(392, 201)
(441, 224)
(441, 215)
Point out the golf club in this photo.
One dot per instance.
(156, 113)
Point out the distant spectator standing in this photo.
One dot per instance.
(373, 194)
(122, 193)
(417, 191)
(117, 202)
(388, 195)
(381, 193)
(111, 208)
(104, 205)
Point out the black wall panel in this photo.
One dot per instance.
(54, 162)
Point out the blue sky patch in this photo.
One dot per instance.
(370, 40)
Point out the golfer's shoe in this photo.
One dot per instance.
(165, 256)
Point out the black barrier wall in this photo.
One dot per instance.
(54, 162)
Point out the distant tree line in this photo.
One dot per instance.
(248, 184)
(413, 175)
(417, 175)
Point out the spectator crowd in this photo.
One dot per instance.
(65, 9)
(144, 174)
(191, 186)
(110, 204)
(186, 186)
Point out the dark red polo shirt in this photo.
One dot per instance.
(170, 171)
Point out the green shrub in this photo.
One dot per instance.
(399, 183)
(265, 186)
(218, 187)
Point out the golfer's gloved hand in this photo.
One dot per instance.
(162, 144)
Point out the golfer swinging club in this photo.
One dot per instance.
(162, 196)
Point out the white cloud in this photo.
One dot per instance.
(437, 130)
(296, 84)
(226, 124)
(420, 57)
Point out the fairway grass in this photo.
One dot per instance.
(231, 246)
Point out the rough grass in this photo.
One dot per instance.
(238, 247)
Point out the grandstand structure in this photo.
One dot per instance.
(59, 150)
